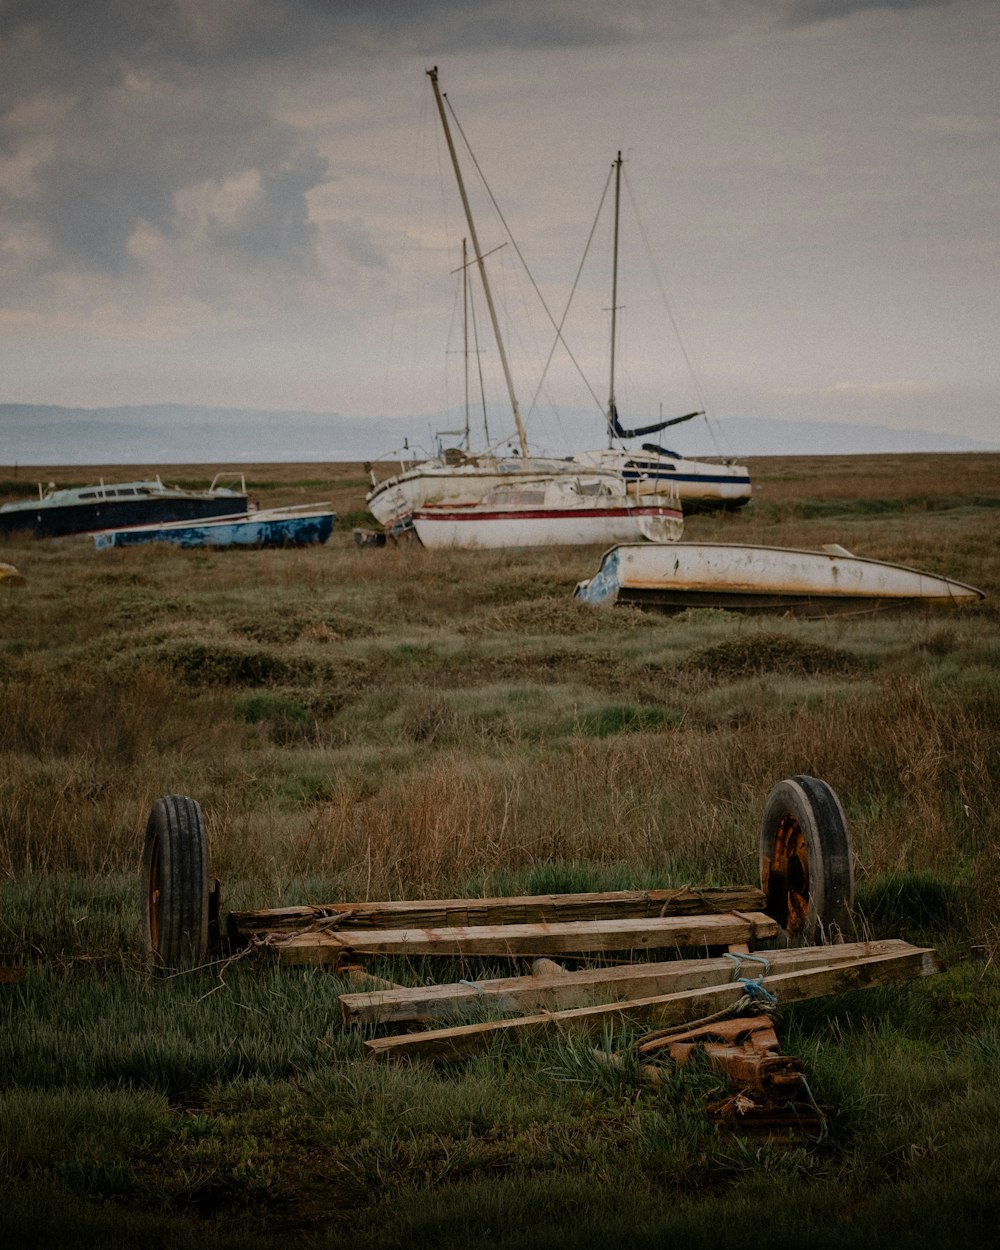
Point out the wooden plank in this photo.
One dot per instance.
(556, 991)
(517, 940)
(662, 1010)
(522, 909)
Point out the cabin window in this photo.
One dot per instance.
(523, 495)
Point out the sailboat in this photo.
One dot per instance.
(459, 478)
(556, 511)
(702, 485)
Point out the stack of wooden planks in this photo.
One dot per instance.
(721, 925)
(528, 909)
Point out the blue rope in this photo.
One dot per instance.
(754, 991)
(756, 959)
(757, 992)
(473, 986)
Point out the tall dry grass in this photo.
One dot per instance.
(401, 722)
(361, 724)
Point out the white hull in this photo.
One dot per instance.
(697, 483)
(700, 484)
(434, 484)
(481, 527)
(739, 576)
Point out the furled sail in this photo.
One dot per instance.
(655, 428)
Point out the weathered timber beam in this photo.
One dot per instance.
(516, 940)
(526, 909)
(662, 1010)
(556, 991)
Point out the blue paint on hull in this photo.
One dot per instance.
(249, 531)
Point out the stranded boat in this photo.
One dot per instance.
(702, 485)
(456, 478)
(751, 578)
(553, 512)
(272, 527)
(83, 509)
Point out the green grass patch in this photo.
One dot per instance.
(624, 718)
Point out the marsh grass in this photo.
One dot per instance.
(394, 723)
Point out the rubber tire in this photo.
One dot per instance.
(175, 883)
(806, 863)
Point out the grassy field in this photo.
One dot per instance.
(396, 723)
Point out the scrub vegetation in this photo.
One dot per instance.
(366, 723)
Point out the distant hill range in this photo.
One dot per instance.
(179, 434)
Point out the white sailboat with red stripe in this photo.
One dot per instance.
(559, 511)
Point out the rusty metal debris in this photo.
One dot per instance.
(771, 1097)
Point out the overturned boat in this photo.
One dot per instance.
(751, 578)
(84, 509)
(272, 527)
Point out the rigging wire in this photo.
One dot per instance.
(404, 269)
(569, 301)
(556, 326)
(654, 269)
(479, 364)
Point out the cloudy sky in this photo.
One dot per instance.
(246, 203)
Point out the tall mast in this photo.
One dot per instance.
(612, 413)
(521, 437)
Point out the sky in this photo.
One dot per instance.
(247, 203)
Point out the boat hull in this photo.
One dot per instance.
(751, 578)
(254, 530)
(543, 527)
(395, 499)
(701, 485)
(43, 521)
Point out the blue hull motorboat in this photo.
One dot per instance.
(84, 509)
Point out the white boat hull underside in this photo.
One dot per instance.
(751, 578)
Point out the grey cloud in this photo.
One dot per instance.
(167, 94)
(826, 10)
(97, 189)
(355, 240)
(109, 32)
(124, 132)
(278, 225)
(91, 211)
